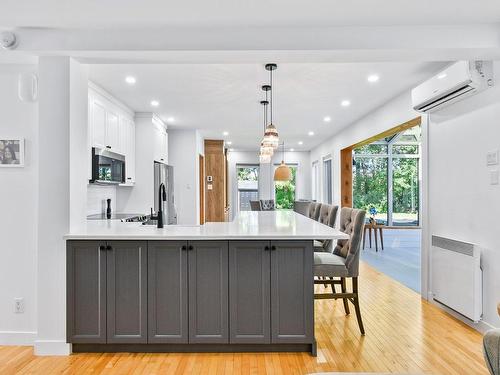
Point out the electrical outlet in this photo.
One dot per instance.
(19, 305)
(494, 177)
(492, 157)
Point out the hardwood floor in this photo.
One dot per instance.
(403, 334)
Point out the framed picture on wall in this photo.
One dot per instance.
(11, 152)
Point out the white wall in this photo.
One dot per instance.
(18, 218)
(266, 173)
(462, 203)
(183, 148)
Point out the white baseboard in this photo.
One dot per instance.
(17, 338)
(481, 326)
(52, 347)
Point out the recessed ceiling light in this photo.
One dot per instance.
(345, 103)
(225, 134)
(310, 133)
(170, 119)
(327, 119)
(130, 80)
(231, 149)
(155, 103)
(300, 142)
(373, 78)
(229, 142)
(292, 149)
(442, 75)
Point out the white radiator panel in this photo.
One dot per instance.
(457, 276)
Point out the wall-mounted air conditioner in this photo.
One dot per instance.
(458, 81)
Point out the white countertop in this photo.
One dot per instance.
(248, 225)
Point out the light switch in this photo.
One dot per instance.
(494, 177)
(492, 157)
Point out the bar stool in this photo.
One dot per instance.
(372, 225)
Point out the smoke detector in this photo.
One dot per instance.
(8, 40)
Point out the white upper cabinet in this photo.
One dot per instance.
(160, 142)
(111, 127)
(112, 133)
(97, 123)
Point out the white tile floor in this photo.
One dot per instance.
(400, 258)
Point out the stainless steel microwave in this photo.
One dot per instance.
(107, 167)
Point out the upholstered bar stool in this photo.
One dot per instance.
(327, 216)
(491, 349)
(314, 209)
(343, 263)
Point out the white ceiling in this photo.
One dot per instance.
(225, 97)
(243, 13)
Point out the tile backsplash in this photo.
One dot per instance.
(96, 198)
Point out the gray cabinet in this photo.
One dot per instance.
(86, 292)
(292, 292)
(249, 292)
(167, 292)
(208, 292)
(126, 272)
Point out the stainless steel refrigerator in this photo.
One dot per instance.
(165, 174)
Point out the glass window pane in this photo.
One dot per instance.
(327, 181)
(371, 149)
(370, 186)
(284, 191)
(405, 187)
(405, 149)
(248, 185)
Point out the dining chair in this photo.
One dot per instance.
(255, 205)
(314, 209)
(327, 216)
(267, 204)
(302, 207)
(343, 262)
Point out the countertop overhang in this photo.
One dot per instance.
(247, 225)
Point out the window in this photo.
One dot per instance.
(315, 181)
(284, 191)
(248, 185)
(386, 176)
(327, 181)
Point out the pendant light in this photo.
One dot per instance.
(271, 133)
(283, 172)
(266, 151)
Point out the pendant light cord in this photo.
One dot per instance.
(272, 89)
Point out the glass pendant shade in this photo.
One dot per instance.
(282, 173)
(271, 137)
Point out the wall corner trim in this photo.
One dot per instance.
(52, 347)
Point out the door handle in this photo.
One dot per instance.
(184, 248)
(273, 248)
(266, 248)
(102, 247)
(190, 247)
(108, 248)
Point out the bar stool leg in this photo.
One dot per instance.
(370, 233)
(381, 238)
(376, 239)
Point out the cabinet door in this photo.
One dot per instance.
(130, 152)
(98, 124)
(208, 292)
(292, 292)
(167, 292)
(160, 144)
(112, 132)
(127, 292)
(249, 292)
(86, 292)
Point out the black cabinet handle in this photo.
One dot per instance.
(108, 247)
(273, 248)
(129, 178)
(190, 247)
(266, 248)
(102, 247)
(184, 248)
(108, 146)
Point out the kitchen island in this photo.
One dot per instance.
(245, 285)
